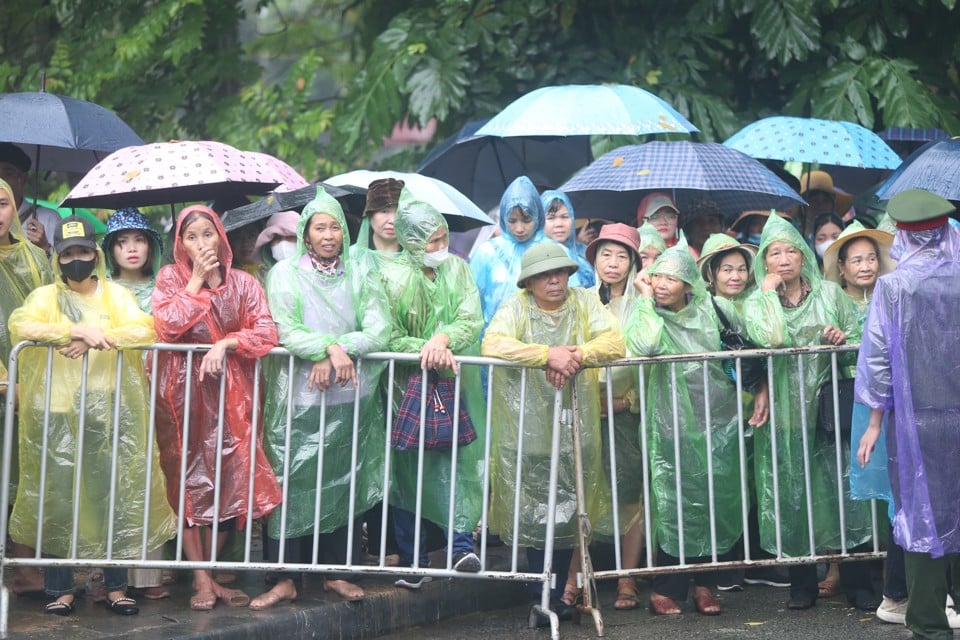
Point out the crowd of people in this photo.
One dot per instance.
(300, 444)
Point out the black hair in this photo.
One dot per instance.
(147, 268)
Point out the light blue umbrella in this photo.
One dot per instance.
(612, 185)
(935, 167)
(814, 141)
(583, 110)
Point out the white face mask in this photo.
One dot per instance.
(822, 247)
(435, 259)
(283, 249)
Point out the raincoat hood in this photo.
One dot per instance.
(521, 193)
(546, 199)
(16, 229)
(650, 237)
(942, 243)
(130, 219)
(323, 203)
(224, 253)
(677, 261)
(416, 221)
(777, 229)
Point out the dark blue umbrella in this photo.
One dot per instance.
(934, 167)
(613, 184)
(62, 133)
(903, 134)
(481, 167)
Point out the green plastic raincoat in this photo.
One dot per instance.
(769, 324)
(652, 331)
(421, 308)
(314, 311)
(47, 315)
(363, 252)
(23, 267)
(521, 332)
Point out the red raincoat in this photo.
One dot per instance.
(236, 309)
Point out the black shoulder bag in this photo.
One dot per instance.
(753, 370)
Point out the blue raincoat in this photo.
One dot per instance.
(577, 251)
(496, 263)
(907, 367)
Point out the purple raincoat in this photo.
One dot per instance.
(908, 366)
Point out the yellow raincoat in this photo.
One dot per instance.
(47, 315)
(521, 332)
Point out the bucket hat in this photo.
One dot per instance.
(543, 257)
(129, 219)
(625, 234)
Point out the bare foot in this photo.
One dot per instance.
(346, 590)
(284, 590)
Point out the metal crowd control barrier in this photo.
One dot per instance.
(380, 565)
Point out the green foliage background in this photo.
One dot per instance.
(320, 84)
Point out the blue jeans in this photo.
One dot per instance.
(404, 528)
(58, 581)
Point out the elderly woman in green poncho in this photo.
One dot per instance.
(651, 244)
(547, 324)
(328, 312)
(436, 313)
(674, 315)
(795, 307)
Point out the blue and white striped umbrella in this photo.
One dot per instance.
(612, 185)
(588, 109)
(811, 140)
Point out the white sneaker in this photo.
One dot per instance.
(953, 618)
(892, 611)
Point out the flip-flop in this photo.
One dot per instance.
(203, 601)
(235, 598)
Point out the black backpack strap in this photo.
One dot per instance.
(723, 318)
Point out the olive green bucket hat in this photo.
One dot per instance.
(542, 257)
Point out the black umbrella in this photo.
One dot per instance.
(61, 133)
(481, 167)
(351, 199)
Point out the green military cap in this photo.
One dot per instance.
(917, 205)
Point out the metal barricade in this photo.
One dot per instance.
(379, 564)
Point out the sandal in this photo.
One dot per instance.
(661, 605)
(235, 597)
(123, 606)
(59, 608)
(203, 601)
(627, 595)
(828, 588)
(571, 595)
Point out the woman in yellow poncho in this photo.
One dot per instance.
(23, 267)
(548, 324)
(83, 313)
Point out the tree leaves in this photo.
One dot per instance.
(785, 30)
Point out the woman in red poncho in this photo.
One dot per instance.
(200, 300)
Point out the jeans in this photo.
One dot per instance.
(404, 527)
(58, 581)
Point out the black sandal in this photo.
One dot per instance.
(123, 606)
(59, 608)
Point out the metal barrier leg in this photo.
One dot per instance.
(583, 528)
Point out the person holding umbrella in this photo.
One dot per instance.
(38, 222)
(496, 263)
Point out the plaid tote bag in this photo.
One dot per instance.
(438, 422)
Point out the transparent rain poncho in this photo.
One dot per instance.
(769, 324)
(23, 267)
(495, 264)
(629, 456)
(235, 309)
(421, 308)
(314, 311)
(650, 237)
(651, 331)
(584, 275)
(907, 367)
(522, 332)
(47, 315)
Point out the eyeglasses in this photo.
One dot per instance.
(663, 215)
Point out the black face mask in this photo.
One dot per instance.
(78, 270)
